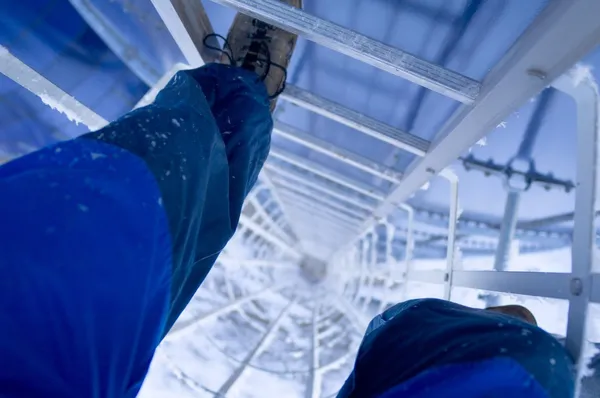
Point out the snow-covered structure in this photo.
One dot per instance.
(421, 149)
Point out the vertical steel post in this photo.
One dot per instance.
(313, 387)
(452, 221)
(507, 232)
(585, 93)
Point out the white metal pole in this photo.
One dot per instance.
(313, 386)
(584, 90)
(452, 221)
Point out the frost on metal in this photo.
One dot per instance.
(50, 94)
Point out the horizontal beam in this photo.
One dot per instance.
(48, 92)
(345, 156)
(279, 174)
(355, 120)
(323, 172)
(542, 284)
(548, 48)
(362, 48)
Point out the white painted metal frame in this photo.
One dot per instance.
(585, 93)
(452, 221)
(547, 49)
(363, 48)
(183, 38)
(355, 160)
(355, 120)
(48, 92)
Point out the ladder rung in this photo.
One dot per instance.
(320, 199)
(283, 175)
(355, 120)
(360, 47)
(343, 155)
(513, 81)
(48, 92)
(321, 171)
(308, 204)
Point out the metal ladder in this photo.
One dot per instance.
(533, 63)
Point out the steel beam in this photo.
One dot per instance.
(188, 24)
(543, 52)
(263, 343)
(47, 92)
(452, 221)
(543, 284)
(355, 120)
(362, 48)
(345, 156)
(582, 87)
(313, 386)
(323, 172)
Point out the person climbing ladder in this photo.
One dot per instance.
(107, 237)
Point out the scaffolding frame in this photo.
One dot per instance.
(533, 63)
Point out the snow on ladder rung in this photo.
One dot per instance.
(48, 92)
(355, 120)
(324, 172)
(360, 47)
(329, 149)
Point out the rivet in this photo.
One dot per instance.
(540, 74)
(576, 286)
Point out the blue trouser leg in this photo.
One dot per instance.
(205, 139)
(418, 335)
(104, 239)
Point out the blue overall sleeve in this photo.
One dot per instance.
(104, 239)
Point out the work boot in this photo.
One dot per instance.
(517, 311)
(263, 49)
